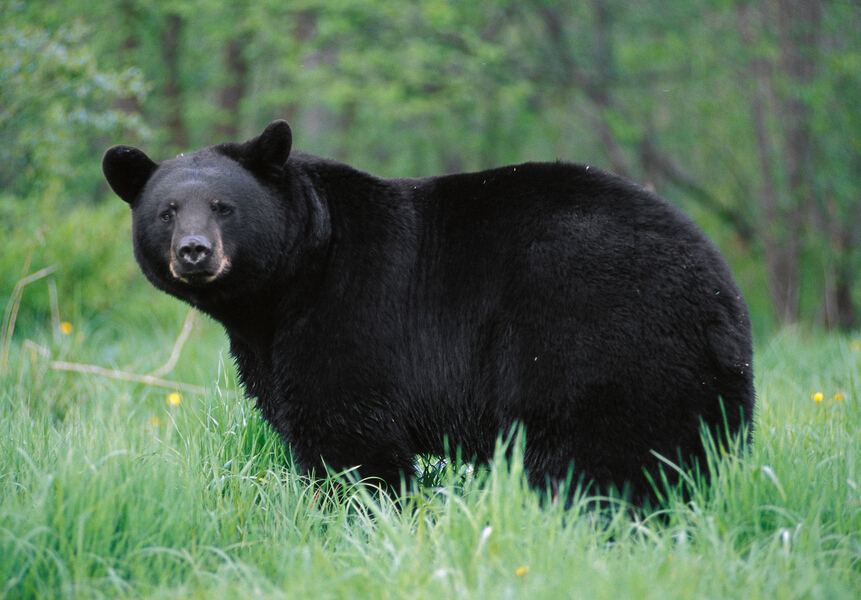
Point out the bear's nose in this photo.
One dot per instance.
(194, 249)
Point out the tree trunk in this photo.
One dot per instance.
(838, 310)
(231, 95)
(597, 83)
(171, 36)
(786, 209)
(599, 91)
(130, 16)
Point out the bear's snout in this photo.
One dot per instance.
(197, 260)
(193, 250)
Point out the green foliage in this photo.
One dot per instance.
(96, 273)
(126, 493)
(55, 105)
(688, 98)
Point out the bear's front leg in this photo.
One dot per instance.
(380, 463)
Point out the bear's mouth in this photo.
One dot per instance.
(197, 276)
(197, 279)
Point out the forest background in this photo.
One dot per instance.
(746, 114)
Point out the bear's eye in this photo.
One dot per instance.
(221, 209)
(166, 216)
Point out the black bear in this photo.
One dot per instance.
(376, 319)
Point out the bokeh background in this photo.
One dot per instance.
(746, 114)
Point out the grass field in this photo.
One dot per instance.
(115, 488)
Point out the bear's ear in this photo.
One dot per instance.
(264, 155)
(270, 150)
(127, 170)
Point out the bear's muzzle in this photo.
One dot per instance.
(195, 260)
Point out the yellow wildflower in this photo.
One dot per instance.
(65, 328)
(521, 571)
(174, 399)
(838, 397)
(153, 422)
(817, 397)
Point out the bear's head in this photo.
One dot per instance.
(206, 224)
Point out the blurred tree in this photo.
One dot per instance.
(55, 104)
(129, 44)
(804, 113)
(748, 114)
(172, 27)
(687, 98)
(234, 90)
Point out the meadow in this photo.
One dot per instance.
(112, 486)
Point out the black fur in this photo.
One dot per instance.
(375, 319)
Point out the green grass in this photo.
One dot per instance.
(109, 490)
